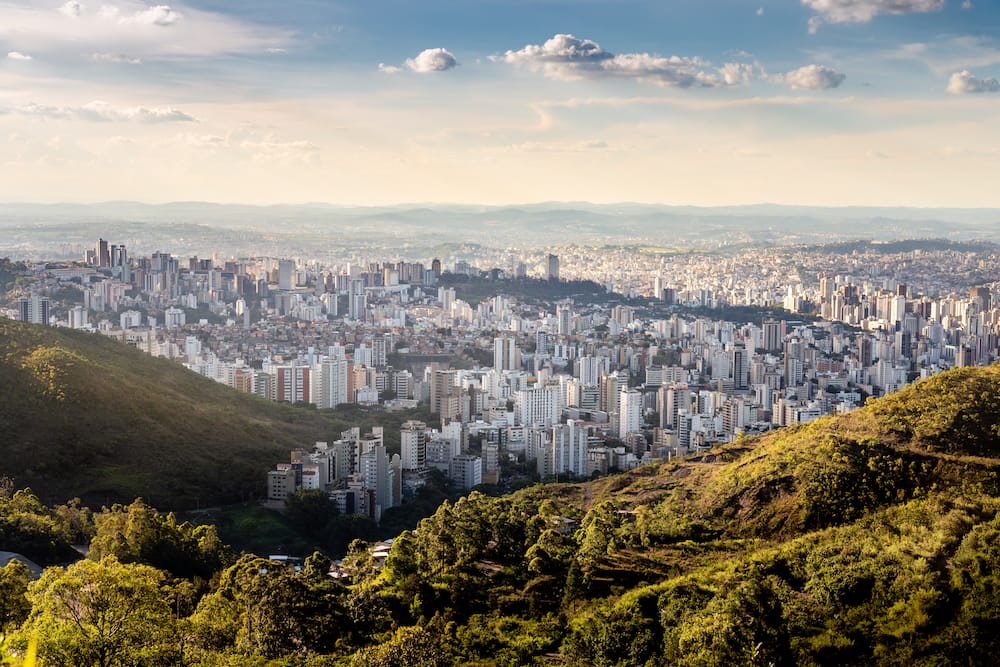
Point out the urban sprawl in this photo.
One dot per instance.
(673, 353)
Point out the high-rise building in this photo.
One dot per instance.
(630, 412)
(374, 464)
(466, 471)
(445, 398)
(77, 317)
(739, 367)
(103, 256)
(982, 296)
(609, 393)
(292, 383)
(286, 274)
(357, 300)
(332, 383)
(772, 336)
(540, 406)
(567, 451)
(552, 267)
(506, 354)
(413, 445)
(34, 309)
(380, 350)
(564, 318)
(673, 399)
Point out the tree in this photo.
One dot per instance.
(263, 608)
(14, 605)
(139, 534)
(102, 614)
(409, 647)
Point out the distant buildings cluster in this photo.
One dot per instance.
(363, 479)
(572, 387)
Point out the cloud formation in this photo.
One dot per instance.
(863, 11)
(812, 77)
(17, 55)
(431, 60)
(567, 57)
(71, 8)
(114, 58)
(161, 15)
(75, 29)
(98, 111)
(965, 82)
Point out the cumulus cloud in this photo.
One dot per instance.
(568, 57)
(17, 55)
(812, 77)
(432, 60)
(99, 111)
(71, 8)
(735, 74)
(161, 15)
(389, 69)
(965, 82)
(862, 11)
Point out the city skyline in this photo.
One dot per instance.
(865, 102)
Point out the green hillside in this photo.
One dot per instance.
(83, 415)
(871, 538)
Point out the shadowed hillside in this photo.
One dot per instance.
(82, 415)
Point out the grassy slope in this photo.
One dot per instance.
(939, 434)
(868, 538)
(82, 415)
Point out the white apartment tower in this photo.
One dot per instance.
(506, 354)
(630, 412)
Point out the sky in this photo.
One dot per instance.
(374, 102)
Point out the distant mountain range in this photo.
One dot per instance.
(413, 228)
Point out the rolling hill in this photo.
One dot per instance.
(82, 415)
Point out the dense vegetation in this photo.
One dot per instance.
(529, 290)
(871, 538)
(83, 415)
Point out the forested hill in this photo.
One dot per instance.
(83, 415)
(870, 538)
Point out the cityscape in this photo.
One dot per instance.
(672, 354)
(527, 333)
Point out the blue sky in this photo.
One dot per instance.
(825, 102)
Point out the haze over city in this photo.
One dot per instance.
(869, 102)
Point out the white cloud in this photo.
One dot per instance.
(129, 26)
(389, 69)
(72, 8)
(862, 11)
(965, 82)
(735, 74)
(568, 57)
(966, 4)
(17, 55)
(99, 111)
(161, 15)
(115, 58)
(760, 11)
(812, 77)
(432, 60)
